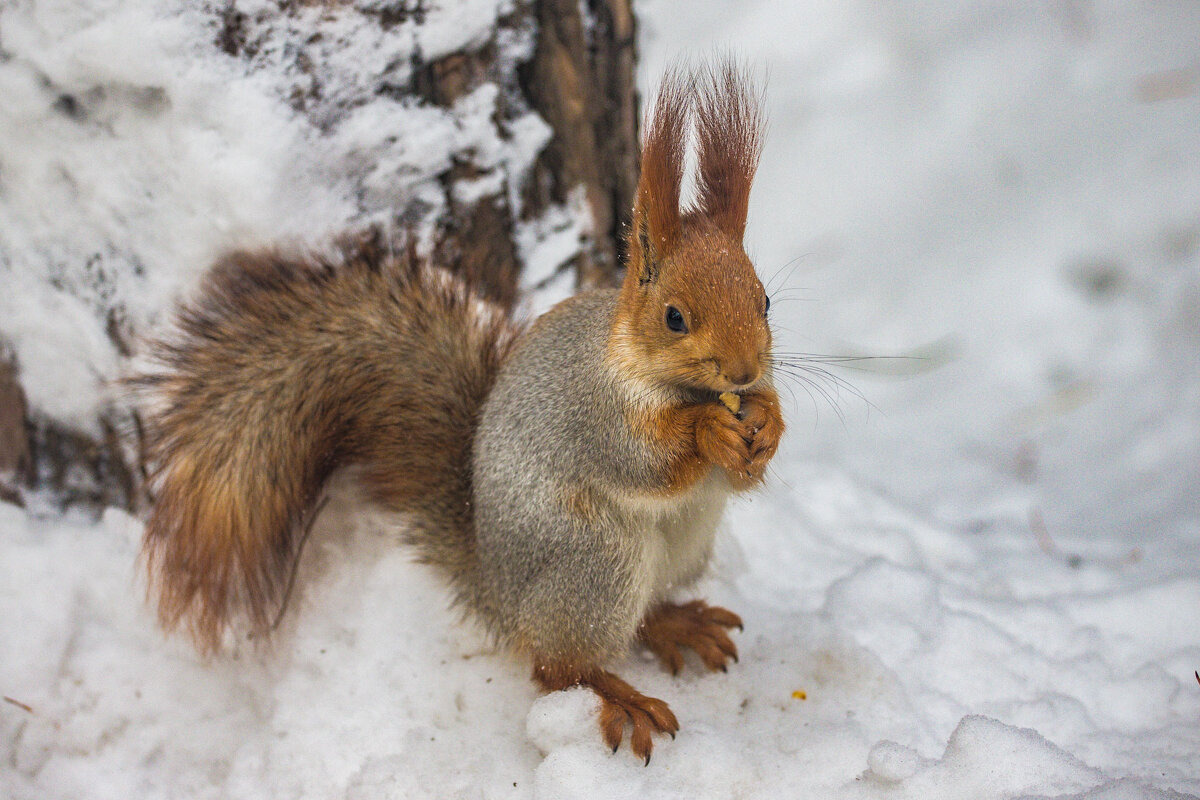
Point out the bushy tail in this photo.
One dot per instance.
(284, 369)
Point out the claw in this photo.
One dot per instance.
(695, 625)
(620, 704)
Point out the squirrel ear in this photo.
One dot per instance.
(729, 132)
(645, 259)
(656, 215)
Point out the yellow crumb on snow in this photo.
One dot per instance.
(800, 694)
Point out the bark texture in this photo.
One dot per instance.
(581, 80)
(576, 73)
(15, 465)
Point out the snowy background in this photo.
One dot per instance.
(982, 583)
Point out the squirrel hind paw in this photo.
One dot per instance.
(621, 706)
(695, 625)
(620, 703)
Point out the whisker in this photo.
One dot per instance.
(811, 398)
(821, 357)
(807, 382)
(836, 380)
(795, 400)
(845, 362)
(775, 327)
(794, 264)
(782, 294)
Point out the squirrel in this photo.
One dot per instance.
(566, 477)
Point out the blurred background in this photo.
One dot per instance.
(998, 203)
(1007, 196)
(973, 571)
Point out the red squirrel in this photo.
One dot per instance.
(567, 478)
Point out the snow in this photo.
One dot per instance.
(547, 246)
(983, 584)
(109, 133)
(157, 151)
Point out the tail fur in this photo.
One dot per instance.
(285, 369)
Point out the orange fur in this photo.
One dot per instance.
(729, 128)
(284, 369)
(763, 421)
(656, 217)
(695, 625)
(620, 703)
(672, 428)
(693, 262)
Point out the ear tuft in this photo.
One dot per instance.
(656, 215)
(729, 133)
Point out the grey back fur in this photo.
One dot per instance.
(572, 548)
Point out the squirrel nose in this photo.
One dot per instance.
(742, 377)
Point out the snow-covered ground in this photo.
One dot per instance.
(985, 583)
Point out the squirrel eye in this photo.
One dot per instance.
(675, 320)
(766, 305)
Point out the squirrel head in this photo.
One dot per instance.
(693, 313)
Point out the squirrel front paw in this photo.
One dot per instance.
(763, 419)
(743, 443)
(724, 439)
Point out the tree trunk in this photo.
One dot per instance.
(480, 143)
(581, 80)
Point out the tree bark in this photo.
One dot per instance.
(15, 465)
(577, 75)
(581, 80)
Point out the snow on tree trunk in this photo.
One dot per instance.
(139, 139)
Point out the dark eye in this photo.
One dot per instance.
(675, 320)
(766, 305)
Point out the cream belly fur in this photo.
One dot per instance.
(678, 536)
